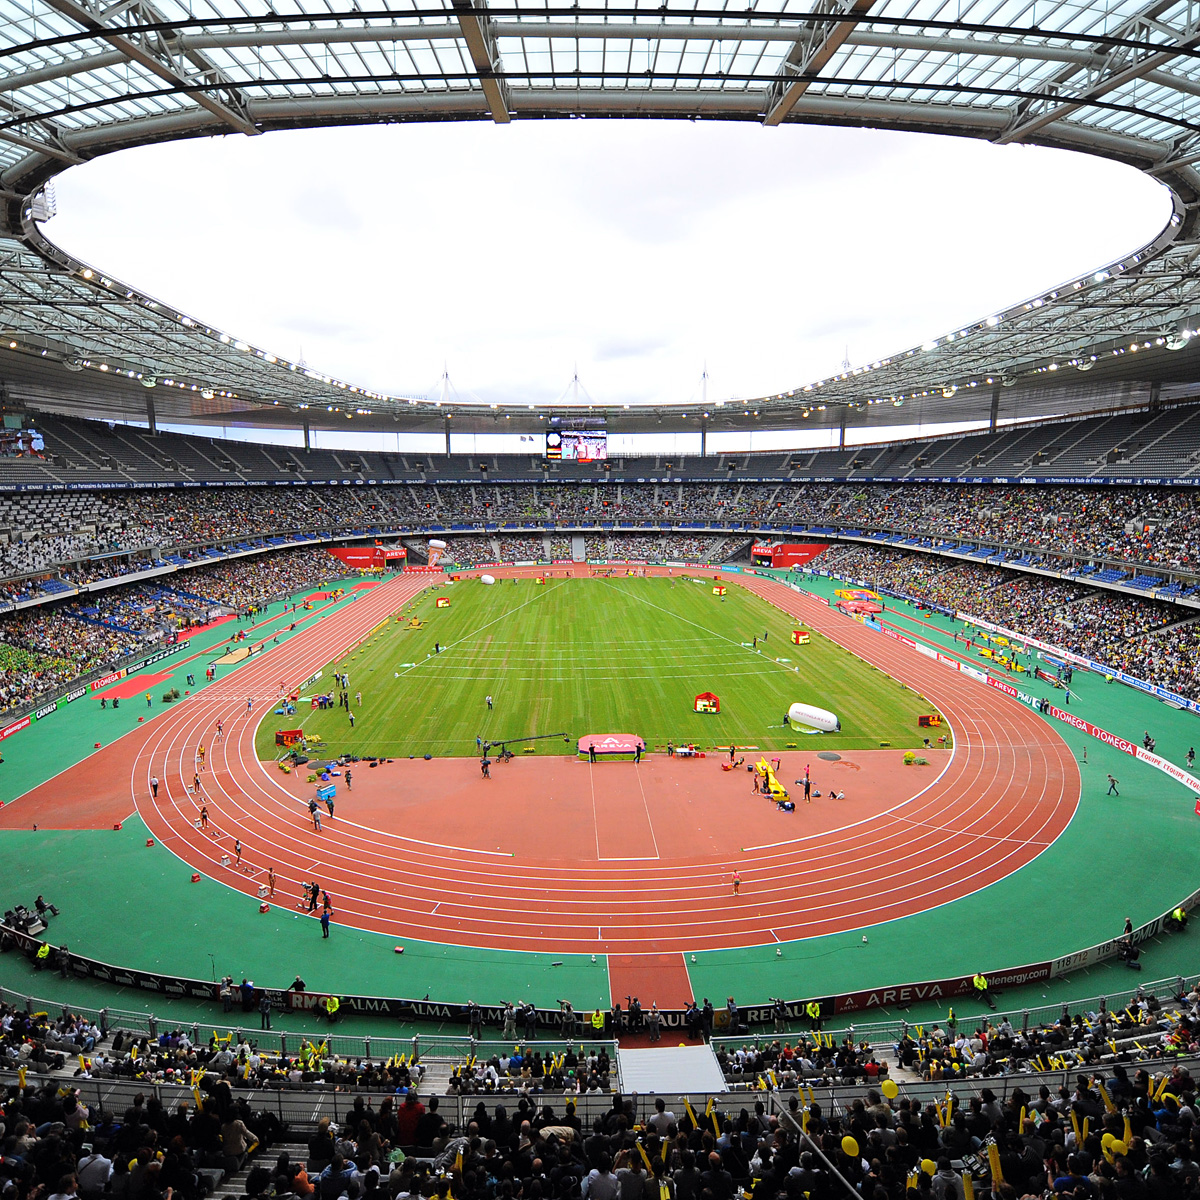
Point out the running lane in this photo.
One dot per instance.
(1010, 789)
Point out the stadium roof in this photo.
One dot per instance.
(84, 78)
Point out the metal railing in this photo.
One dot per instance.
(434, 1044)
(301, 1106)
(453, 1047)
(968, 1016)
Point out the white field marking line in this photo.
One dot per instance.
(575, 876)
(646, 806)
(717, 654)
(179, 731)
(885, 813)
(595, 818)
(596, 825)
(200, 709)
(343, 823)
(620, 642)
(476, 632)
(720, 637)
(642, 935)
(503, 672)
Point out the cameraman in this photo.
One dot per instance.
(634, 1006)
(474, 1021)
(780, 1012)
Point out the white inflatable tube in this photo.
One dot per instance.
(486, 579)
(436, 544)
(814, 718)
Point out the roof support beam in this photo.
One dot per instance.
(30, 131)
(477, 32)
(50, 149)
(811, 51)
(641, 31)
(191, 71)
(1106, 73)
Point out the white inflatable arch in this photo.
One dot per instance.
(814, 718)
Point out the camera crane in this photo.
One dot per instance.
(506, 753)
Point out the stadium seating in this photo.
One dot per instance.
(331, 1123)
(44, 650)
(1141, 637)
(1125, 542)
(1163, 444)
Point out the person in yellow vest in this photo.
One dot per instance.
(598, 1023)
(42, 957)
(332, 1004)
(812, 1010)
(1177, 921)
(979, 983)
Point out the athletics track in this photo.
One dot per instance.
(1010, 788)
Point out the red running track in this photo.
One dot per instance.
(1010, 789)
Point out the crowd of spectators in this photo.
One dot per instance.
(813, 1061)
(527, 549)
(1102, 1127)
(526, 1069)
(252, 581)
(55, 1145)
(54, 633)
(468, 551)
(1140, 637)
(1145, 1028)
(1157, 528)
(44, 649)
(26, 674)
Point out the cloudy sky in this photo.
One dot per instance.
(636, 253)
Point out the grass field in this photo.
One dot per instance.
(590, 656)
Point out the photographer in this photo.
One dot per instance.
(570, 1023)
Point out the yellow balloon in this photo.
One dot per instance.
(928, 1166)
(1107, 1140)
(1118, 1147)
(849, 1146)
(889, 1089)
